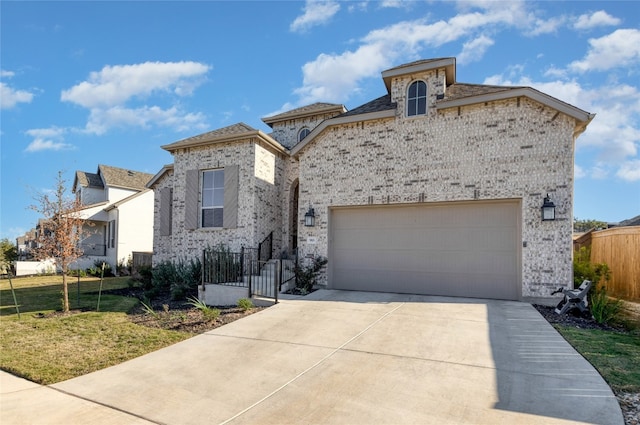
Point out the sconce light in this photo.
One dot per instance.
(310, 217)
(548, 209)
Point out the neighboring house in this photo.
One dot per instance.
(436, 187)
(118, 210)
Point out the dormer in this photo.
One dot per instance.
(416, 86)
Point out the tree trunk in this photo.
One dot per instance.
(65, 292)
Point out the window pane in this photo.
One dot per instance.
(217, 217)
(218, 197)
(411, 109)
(422, 106)
(207, 179)
(208, 198)
(218, 178)
(207, 218)
(422, 89)
(412, 90)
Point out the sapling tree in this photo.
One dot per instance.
(61, 231)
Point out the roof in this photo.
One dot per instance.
(112, 177)
(230, 133)
(123, 178)
(383, 103)
(305, 111)
(88, 179)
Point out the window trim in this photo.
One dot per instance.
(306, 132)
(417, 98)
(214, 206)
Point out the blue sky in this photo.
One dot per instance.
(88, 83)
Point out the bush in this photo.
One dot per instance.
(603, 308)
(307, 276)
(179, 278)
(96, 270)
(584, 269)
(209, 313)
(245, 304)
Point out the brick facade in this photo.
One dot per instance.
(504, 148)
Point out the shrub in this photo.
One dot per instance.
(179, 278)
(209, 313)
(583, 268)
(245, 304)
(603, 308)
(307, 275)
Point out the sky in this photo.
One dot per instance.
(89, 83)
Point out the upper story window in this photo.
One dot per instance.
(417, 98)
(303, 133)
(212, 202)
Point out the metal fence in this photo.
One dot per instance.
(247, 268)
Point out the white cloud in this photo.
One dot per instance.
(6, 74)
(578, 172)
(108, 92)
(115, 85)
(47, 139)
(547, 26)
(101, 120)
(619, 49)
(474, 50)
(335, 77)
(315, 13)
(10, 97)
(630, 170)
(596, 19)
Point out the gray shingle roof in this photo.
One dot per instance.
(88, 179)
(315, 108)
(462, 90)
(120, 177)
(221, 133)
(382, 103)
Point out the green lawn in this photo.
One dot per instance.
(48, 348)
(615, 355)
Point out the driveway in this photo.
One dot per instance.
(337, 357)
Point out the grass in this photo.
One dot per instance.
(615, 355)
(48, 347)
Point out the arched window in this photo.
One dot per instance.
(417, 98)
(303, 133)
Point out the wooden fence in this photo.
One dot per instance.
(619, 248)
(141, 259)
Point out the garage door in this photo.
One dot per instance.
(453, 249)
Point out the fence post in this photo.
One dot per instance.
(202, 271)
(277, 279)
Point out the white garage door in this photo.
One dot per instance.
(453, 249)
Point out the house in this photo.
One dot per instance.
(118, 214)
(436, 187)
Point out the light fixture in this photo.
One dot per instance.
(310, 217)
(548, 209)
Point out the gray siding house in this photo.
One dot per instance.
(436, 188)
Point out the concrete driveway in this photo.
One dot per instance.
(338, 357)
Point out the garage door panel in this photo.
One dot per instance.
(444, 249)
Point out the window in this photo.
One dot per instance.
(417, 98)
(303, 133)
(212, 202)
(112, 234)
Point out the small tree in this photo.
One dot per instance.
(62, 231)
(8, 254)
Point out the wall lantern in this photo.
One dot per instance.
(310, 217)
(548, 209)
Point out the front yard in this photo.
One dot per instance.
(47, 346)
